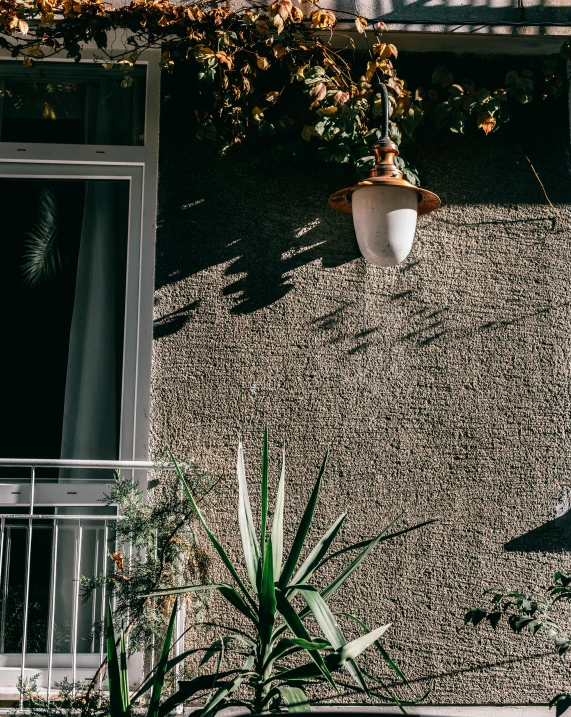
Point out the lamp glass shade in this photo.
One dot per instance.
(385, 222)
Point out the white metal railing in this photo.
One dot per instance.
(7, 525)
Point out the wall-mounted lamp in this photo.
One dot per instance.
(384, 206)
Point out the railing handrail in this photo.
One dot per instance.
(73, 463)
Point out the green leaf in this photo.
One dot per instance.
(265, 468)
(386, 657)
(327, 622)
(113, 673)
(226, 690)
(219, 549)
(289, 645)
(188, 689)
(381, 537)
(312, 561)
(295, 698)
(267, 596)
(162, 665)
(353, 649)
(247, 529)
(124, 673)
(227, 591)
(278, 523)
(303, 529)
(561, 702)
(294, 623)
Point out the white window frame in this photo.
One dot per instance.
(138, 165)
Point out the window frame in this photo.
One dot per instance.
(138, 165)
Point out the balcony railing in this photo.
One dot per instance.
(53, 521)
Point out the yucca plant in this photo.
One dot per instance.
(260, 676)
(121, 702)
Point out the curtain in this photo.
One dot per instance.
(92, 406)
(91, 421)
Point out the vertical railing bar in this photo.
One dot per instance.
(51, 629)
(27, 587)
(94, 594)
(76, 606)
(103, 596)
(5, 587)
(2, 569)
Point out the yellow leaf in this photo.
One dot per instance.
(323, 19)
(258, 113)
(272, 96)
(23, 27)
(263, 63)
(327, 110)
(296, 14)
(361, 24)
(203, 53)
(308, 132)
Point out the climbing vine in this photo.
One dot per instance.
(277, 68)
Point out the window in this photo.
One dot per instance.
(78, 169)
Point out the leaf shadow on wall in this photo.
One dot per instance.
(228, 212)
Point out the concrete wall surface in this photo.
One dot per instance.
(442, 386)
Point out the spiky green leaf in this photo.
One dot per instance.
(302, 530)
(162, 665)
(294, 698)
(310, 564)
(219, 549)
(278, 523)
(327, 622)
(247, 529)
(265, 470)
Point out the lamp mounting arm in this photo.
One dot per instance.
(384, 149)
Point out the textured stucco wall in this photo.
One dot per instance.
(442, 386)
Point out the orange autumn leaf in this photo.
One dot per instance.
(118, 558)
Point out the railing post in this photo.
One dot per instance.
(76, 606)
(27, 588)
(53, 583)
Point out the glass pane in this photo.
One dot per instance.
(69, 615)
(63, 264)
(71, 103)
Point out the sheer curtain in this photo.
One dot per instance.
(93, 385)
(91, 421)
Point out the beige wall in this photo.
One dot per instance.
(441, 386)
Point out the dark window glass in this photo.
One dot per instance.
(72, 103)
(63, 277)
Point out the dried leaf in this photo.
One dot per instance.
(323, 19)
(118, 558)
(272, 96)
(486, 121)
(319, 91)
(224, 59)
(361, 24)
(279, 50)
(263, 63)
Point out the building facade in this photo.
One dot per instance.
(234, 297)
